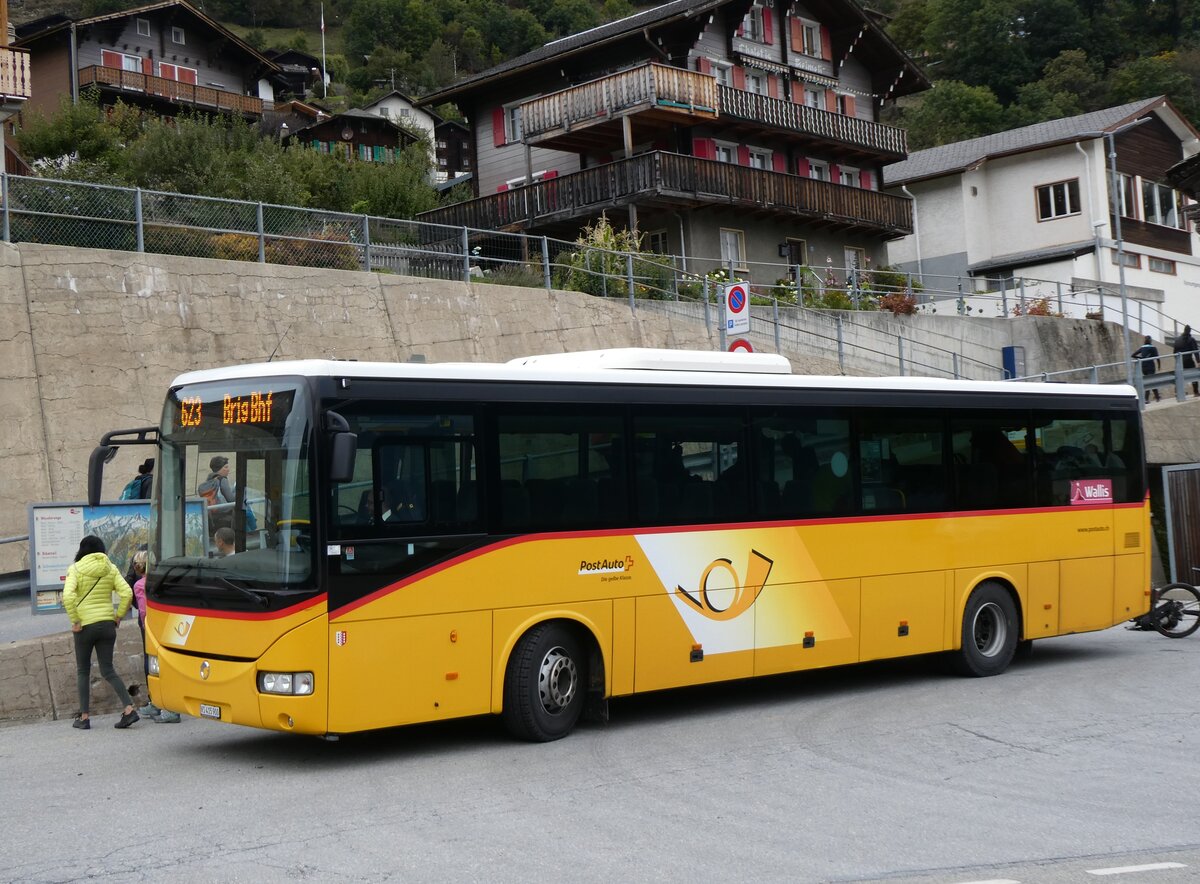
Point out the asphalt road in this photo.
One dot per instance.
(1079, 759)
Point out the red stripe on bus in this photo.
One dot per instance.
(240, 615)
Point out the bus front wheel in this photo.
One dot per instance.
(546, 684)
(989, 632)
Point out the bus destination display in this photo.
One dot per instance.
(257, 407)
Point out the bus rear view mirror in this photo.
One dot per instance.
(101, 455)
(341, 457)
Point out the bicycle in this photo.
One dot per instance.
(1174, 611)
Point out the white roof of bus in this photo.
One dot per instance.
(630, 366)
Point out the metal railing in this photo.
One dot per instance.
(827, 315)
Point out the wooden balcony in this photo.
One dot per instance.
(657, 96)
(133, 84)
(668, 180)
(15, 83)
(741, 110)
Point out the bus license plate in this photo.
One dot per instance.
(208, 711)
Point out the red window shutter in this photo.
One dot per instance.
(779, 161)
(797, 35)
(826, 44)
(166, 71)
(741, 31)
(111, 59)
(185, 75)
(704, 65)
(835, 173)
(802, 167)
(148, 67)
(743, 154)
(768, 26)
(501, 188)
(739, 77)
(773, 87)
(864, 179)
(797, 92)
(498, 136)
(831, 101)
(850, 108)
(701, 148)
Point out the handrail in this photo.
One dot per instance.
(171, 90)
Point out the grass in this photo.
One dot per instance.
(281, 37)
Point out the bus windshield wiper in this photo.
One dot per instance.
(161, 587)
(258, 598)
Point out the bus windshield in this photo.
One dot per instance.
(233, 513)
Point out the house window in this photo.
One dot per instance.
(1127, 197)
(1058, 200)
(143, 27)
(512, 123)
(814, 97)
(442, 143)
(1129, 259)
(752, 24)
(818, 169)
(756, 83)
(726, 153)
(733, 248)
(848, 176)
(1160, 204)
(811, 33)
(177, 36)
(723, 73)
(176, 72)
(1162, 265)
(383, 112)
(760, 159)
(843, 105)
(656, 242)
(442, 161)
(797, 251)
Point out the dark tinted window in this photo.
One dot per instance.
(690, 468)
(804, 464)
(901, 462)
(992, 467)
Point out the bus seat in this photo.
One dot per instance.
(581, 500)
(514, 503)
(796, 499)
(545, 499)
(442, 501)
(468, 501)
(696, 502)
(830, 492)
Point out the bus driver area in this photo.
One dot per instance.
(521, 539)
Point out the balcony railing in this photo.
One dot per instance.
(652, 86)
(822, 124)
(675, 178)
(171, 90)
(15, 83)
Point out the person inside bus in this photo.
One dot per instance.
(224, 539)
(218, 493)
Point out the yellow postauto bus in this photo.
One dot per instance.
(416, 542)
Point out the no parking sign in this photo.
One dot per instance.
(737, 308)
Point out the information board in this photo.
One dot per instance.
(55, 530)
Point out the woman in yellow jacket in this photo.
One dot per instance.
(87, 596)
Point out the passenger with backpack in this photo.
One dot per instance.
(1186, 345)
(1147, 356)
(140, 485)
(217, 491)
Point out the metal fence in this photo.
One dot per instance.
(813, 311)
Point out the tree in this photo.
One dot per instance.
(1071, 72)
(952, 111)
(77, 132)
(1155, 75)
(980, 43)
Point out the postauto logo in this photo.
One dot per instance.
(607, 566)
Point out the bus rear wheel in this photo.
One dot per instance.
(546, 684)
(989, 632)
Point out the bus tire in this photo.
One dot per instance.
(545, 685)
(989, 632)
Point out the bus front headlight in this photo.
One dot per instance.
(293, 683)
(152, 663)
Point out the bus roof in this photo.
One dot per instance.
(633, 365)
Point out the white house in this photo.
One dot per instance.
(1034, 204)
(399, 108)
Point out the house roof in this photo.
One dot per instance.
(1034, 256)
(356, 114)
(963, 155)
(32, 31)
(667, 13)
